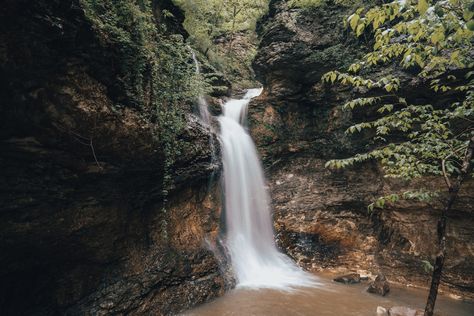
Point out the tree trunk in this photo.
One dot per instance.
(439, 263)
(231, 41)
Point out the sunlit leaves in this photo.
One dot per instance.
(317, 3)
(361, 102)
(427, 266)
(411, 140)
(360, 29)
(422, 6)
(207, 20)
(418, 195)
(438, 35)
(353, 21)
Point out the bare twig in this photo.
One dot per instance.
(95, 157)
(468, 129)
(79, 138)
(445, 174)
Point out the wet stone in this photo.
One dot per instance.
(381, 311)
(351, 278)
(404, 311)
(380, 286)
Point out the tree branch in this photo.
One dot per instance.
(445, 174)
(95, 157)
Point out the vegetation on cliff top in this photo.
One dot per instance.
(215, 27)
(154, 68)
(318, 3)
(412, 138)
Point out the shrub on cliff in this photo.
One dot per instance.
(431, 44)
(153, 69)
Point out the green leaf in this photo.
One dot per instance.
(360, 29)
(422, 6)
(438, 36)
(370, 207)
(427, 266)
(354, 20)
(467, 15)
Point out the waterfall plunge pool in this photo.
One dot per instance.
(333, 299)
(268, 282)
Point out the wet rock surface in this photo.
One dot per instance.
(348, 278)
(379, 286)
(404, 311)
(321, 217)
(85, 225)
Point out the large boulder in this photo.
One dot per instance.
(379, 286)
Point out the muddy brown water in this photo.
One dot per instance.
(332, 299)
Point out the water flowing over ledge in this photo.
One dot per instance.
(255, 259)
(202, 103)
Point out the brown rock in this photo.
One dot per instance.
(404, 311)
(379, 286)
(298, 126)
(349, 278)
(89, 225)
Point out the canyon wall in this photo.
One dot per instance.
(321, 216)
(101, 212)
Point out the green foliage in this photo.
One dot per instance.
(154, 70)
(318, 3)
(417, 195)
(427, 266)
(208, 20)
(146, 56)
(412, 139)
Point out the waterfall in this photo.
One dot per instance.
(255, 259)
(205, 118)
(202, 103)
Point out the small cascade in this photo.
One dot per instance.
(249, 239)
(205, 116)
(202, 103)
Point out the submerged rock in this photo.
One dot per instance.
(379, 286)
(404, 311)
(349, 278)
(398, 311)
(381, 311)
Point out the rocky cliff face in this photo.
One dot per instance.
(94, 214)
(320, 216)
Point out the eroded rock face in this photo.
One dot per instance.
(321, 217)
(86, 227)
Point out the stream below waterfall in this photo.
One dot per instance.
(332, 299)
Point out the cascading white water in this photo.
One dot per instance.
(202, 103)
(256, 261)
(205, 116)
